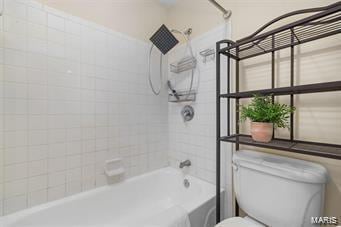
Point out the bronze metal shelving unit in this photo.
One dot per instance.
(320, 23)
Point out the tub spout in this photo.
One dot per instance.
(185, 163)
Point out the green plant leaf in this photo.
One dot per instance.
(263, 109)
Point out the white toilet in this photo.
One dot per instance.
(276, 191)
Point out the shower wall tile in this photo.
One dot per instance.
(72, 95)
(195, 140)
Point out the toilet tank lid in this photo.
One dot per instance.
(294, 169)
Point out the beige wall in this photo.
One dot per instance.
(247, 15)
(137, 18)
(318, 116)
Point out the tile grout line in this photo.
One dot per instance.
(3, 119)
(27, 126)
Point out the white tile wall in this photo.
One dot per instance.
(72, 94)
(196, 140)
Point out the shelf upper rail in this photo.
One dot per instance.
(299, 89)
(325, 23)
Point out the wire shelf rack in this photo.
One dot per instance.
(185, 64)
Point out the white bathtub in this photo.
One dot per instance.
(129, 203)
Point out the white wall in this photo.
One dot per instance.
(73, 94)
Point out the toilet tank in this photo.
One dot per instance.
(278, 191)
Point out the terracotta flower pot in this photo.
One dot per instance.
(261, 131)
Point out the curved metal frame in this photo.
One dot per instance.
(297, 12)
(324, 23)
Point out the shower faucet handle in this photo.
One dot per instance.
(187, 113)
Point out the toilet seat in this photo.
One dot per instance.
(239, 222)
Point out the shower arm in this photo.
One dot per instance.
(226, 13)
(186, 35)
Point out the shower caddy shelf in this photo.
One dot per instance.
(325, 22)
(185, 64)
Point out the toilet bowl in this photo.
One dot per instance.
(276, 191)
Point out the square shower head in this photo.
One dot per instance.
(163, 39)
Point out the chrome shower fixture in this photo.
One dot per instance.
(186, 163)
(188, 31)
(175, 94)
(187, 113)
(207, 55)
(163, 39)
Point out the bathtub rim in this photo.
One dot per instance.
(13, 217)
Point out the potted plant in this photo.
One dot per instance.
(265, 115)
